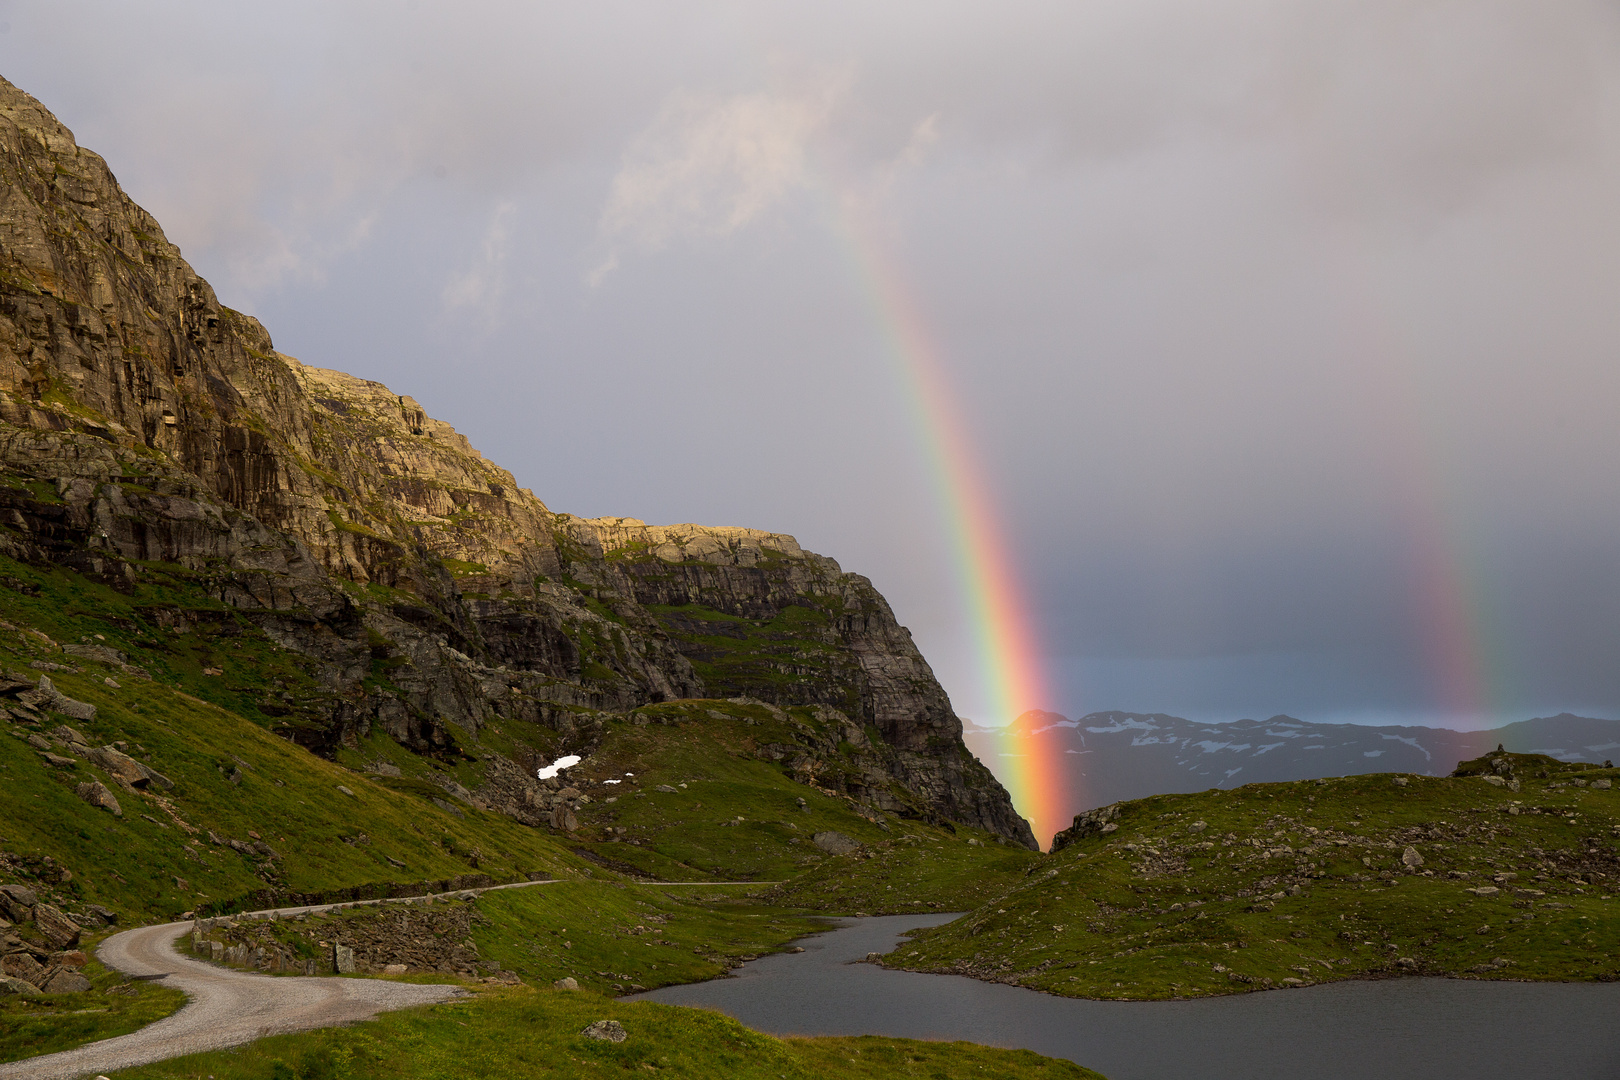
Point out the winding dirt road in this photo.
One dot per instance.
(227, 1008)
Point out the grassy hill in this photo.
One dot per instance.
(1506, 871)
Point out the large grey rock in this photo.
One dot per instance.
(608, 1030)
(1411, 859)
(343, 959)
(126, 770)
(96, 794)
(20, 895)
(8, 985)
(835, 843)
(64, 981)
(20, 965)
(568, 982)
(56, 927)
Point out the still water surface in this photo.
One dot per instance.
(1424, 1029)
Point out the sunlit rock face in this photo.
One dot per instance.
(144, 423)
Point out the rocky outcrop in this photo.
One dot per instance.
(143, 423)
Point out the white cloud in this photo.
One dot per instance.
(711, 164)
(482, 285)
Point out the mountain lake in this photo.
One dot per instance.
(1421, 1028)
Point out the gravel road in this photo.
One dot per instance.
(227, 1008)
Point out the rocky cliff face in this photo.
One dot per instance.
(145, 428)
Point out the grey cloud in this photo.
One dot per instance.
(1258, 308)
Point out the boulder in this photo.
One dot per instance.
(564, 819)
(20, 965)
(566, 983)
(56, 927)
(835, 843)
(608, 1030)
(64, 981)
(1411, 859)
(18, 902)
(57, 761)
(126, 770)
(395, 969)
(69, 736)
(96, 794)
(343, 959)
(8, 985)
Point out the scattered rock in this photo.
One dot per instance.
(567, 983)
(666, 789)
(8, 985)
(609, 1030)
(349, 793)
(835, 843)
(394, 969)
(56, 761)
(96, 794)
(1484, 890)
(1411, 859)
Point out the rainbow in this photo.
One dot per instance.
(1005, 642)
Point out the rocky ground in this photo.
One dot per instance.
(38, 942)
(398, 939)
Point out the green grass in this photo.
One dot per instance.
(920, 870)
(235, 778)
(734, 816)
(1278, 884)
(113, 1006)
(535, 1033)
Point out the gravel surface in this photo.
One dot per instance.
(227, 1008)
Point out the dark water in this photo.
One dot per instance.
(1424, 1029)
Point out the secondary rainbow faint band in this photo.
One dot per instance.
(1007, 651)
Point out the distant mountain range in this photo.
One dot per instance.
(1120, 755)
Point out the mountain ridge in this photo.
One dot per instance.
(146, 427)
(1119, 755)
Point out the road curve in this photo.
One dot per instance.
(227, 1007)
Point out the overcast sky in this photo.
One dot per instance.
(1285, 331)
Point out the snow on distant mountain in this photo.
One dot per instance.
(1120, 755)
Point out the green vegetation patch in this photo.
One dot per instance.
(536, 1033)
(1291, 884)
(696, 797)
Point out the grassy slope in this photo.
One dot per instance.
(527, 1033)
(1165, 908)
(155, 861)
(733, 817)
